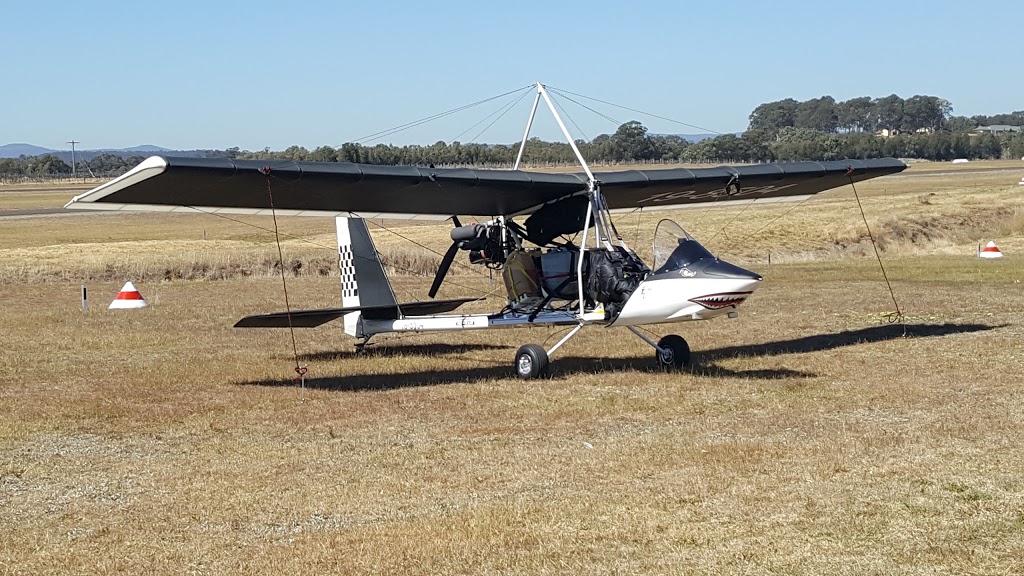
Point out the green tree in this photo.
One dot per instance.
(771, 117)
(817, 114)
(323, 154)
(47, 165)
(924, 112)
(987, 146)
(887, 113)
(630, 142)
(1015, 146)
(959, 124)
(854, 115)
(295, 153)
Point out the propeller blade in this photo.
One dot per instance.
(442, 270)
(455, 221)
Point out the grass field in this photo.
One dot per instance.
(812, 437)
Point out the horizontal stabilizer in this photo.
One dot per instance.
(300, 318)
(313, 318)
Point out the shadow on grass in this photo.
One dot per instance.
(820, 342)
(565, 367)
(386, 350)
(366, 382)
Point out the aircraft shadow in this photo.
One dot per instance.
(372, 350)
(566, 366)
(561, 368)
(821, 342)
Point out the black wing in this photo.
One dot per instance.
(346, 189)
(678, 186)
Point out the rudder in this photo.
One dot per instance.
(363, 281)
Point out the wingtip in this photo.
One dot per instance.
(152, 166)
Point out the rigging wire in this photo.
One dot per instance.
(769, 224)
(694, 126)
(436, 253)
(898, 314)
(582, 105)
(567, 115)
(603, 201)
(636, 235)
(415, 123)
(332, 248)
(502, 115)
(258, 227)
(278, 234)
(730, 222)
(704, 214)
(300, 371)
(503, 109)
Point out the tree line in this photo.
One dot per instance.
(891, 114)
(50, 166)
(782, 131)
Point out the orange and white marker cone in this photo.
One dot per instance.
(128, 297)
(1022, 178)
(990, 251)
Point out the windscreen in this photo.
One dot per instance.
(674, 248)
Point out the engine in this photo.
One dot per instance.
(484, 243)
(535, 277)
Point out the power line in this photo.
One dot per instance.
(74, 173)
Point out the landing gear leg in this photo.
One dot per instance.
(532, 359)
(361, 345)
(671, 352)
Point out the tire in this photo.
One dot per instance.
(676, 355)
(531, 362)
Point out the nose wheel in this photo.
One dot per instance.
(673, 352)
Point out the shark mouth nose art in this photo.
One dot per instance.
(723, 300)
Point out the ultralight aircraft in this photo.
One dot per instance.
(550, 279)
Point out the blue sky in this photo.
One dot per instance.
(272, 74)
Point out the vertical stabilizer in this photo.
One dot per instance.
(363, 282)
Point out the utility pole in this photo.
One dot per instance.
(73, 142)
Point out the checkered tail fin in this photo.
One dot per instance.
(363, 282)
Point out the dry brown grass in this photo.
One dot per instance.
(918, 166)
(812, 438)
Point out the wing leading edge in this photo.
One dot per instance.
(346, 189)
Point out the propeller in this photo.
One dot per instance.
(459, 234)
(442, 270)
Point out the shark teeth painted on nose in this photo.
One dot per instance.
(723, 300)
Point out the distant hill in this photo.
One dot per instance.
(142, 148)
(22, 149)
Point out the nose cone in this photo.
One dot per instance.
(726, 271)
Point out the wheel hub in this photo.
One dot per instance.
(525, 364)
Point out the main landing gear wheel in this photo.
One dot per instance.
(531, 362)
(674, 353)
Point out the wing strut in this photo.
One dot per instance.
(597, 207)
